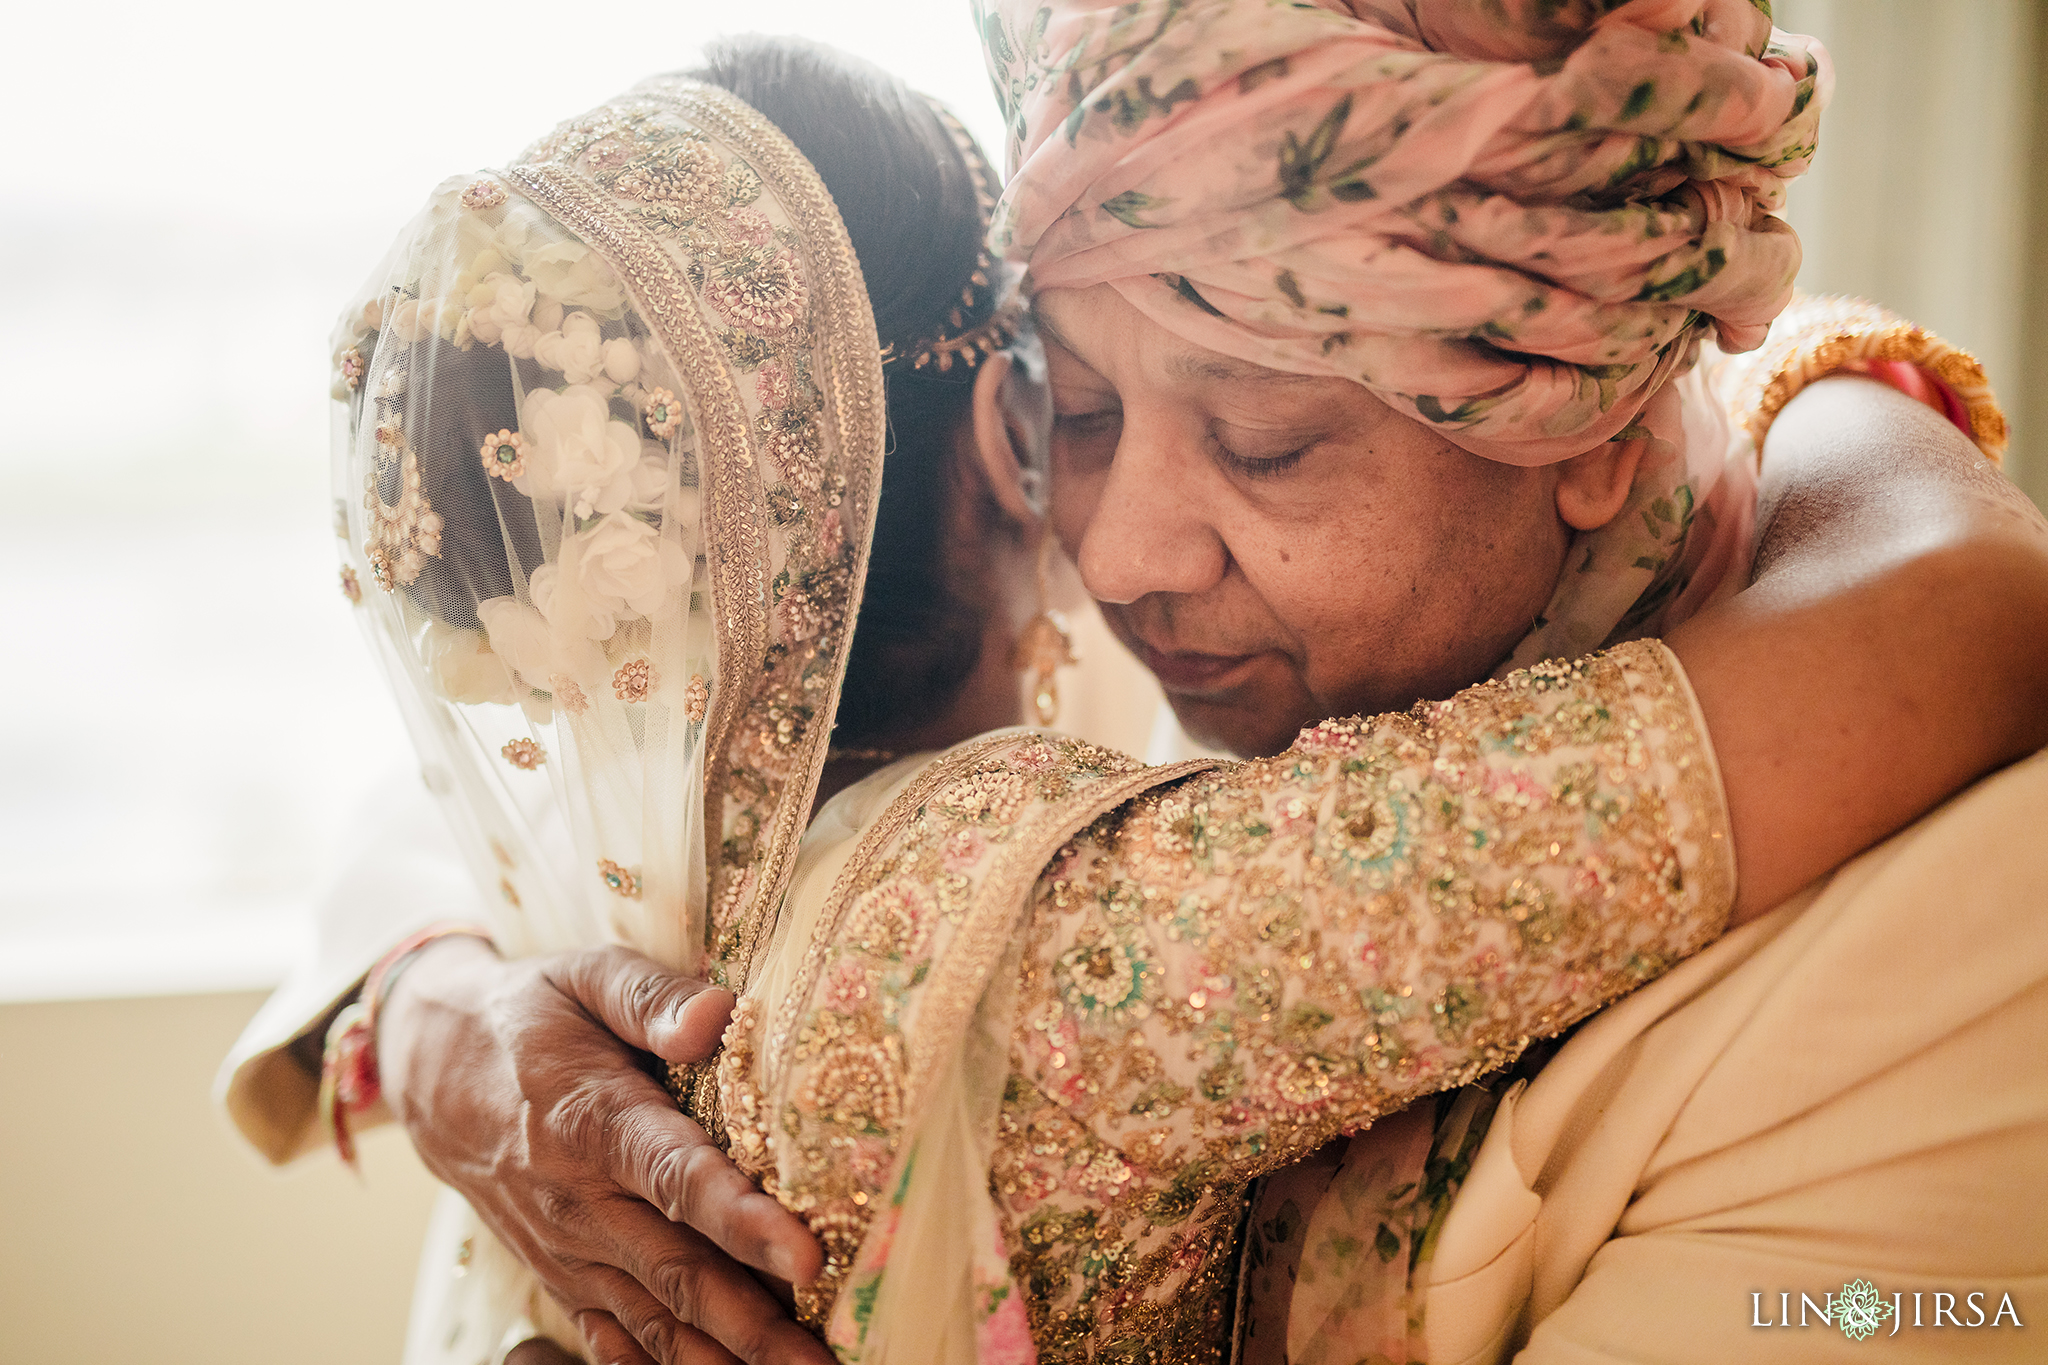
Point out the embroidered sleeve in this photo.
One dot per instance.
(1259, 958)
(1220, 973)
(1226, 973)
(1819, 336)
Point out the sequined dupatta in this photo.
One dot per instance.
(609, 432)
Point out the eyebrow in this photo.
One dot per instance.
(1224, 369)
(1207, 365)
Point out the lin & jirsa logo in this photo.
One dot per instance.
(1859, 1310)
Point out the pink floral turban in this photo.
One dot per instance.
(1511, 219)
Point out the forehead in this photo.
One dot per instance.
(1096, 337)
(1104, 332)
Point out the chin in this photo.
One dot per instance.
(1238, 729)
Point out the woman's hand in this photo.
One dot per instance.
(523, 1086)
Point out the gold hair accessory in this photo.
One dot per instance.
(976, 343)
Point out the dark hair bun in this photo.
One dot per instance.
(910, 206)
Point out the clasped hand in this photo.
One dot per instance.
(524, 1087)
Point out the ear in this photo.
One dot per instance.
(1013, 430)
(1593, 488)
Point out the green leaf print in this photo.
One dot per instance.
(1386, 1243)
(1693, 277)
(1349, 187)
(1253, 77)
(1432, 409)
(1126, 207)
(1179, 284)
(1127, 109)
(995, 40)
(1299, 160)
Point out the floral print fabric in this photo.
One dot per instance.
(1511, 220)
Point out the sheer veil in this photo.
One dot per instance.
(609, 427)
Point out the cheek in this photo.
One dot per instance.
(1415, 603)
(1076, 491)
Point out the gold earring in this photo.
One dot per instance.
(1044, 646)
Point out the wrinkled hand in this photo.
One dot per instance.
(523, 1088)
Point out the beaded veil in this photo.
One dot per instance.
(609, 426)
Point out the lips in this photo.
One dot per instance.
(1189, 671)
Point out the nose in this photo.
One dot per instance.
(1151, 530)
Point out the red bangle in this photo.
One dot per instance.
(349, 1082)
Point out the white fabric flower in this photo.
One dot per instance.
(577, 351)
(462, 667)
(521, 340)
(579, 451)
(651, 477)
(622, 559)
(574, 276)
(535, 649)
(621, 361)
(498, 302)
(503, 247)
(415, 320)
(567, 607)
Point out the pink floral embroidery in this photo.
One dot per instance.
(1004, 1334)
(773, 384)
(524, 754)
(664, 413)
(759, 290)
(696, 699)
(633, 681)
(504, 455)
(568, 695)
(846, 985)
(750, 226)
(482, 194)
(609, 153)
(619, 880)
(963, 850)
(352, 368)
(688, 175)
(868, 1159)
(351, 586)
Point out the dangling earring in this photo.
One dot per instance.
(1044, 646)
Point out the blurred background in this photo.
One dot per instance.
(191, 714)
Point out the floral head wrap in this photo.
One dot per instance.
(608, 432)
(1510, 219)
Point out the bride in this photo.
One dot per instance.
(1024, 1018)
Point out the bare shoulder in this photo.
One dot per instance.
(1862, 474)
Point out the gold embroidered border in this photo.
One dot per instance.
(854, 418)
(725, 448)
(781, 1031)
(850, 381)
(957, 981)
(1655, 671)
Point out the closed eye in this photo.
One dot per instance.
(1100, 422)
(1261, 466)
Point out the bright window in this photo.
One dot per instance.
(193, 192)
